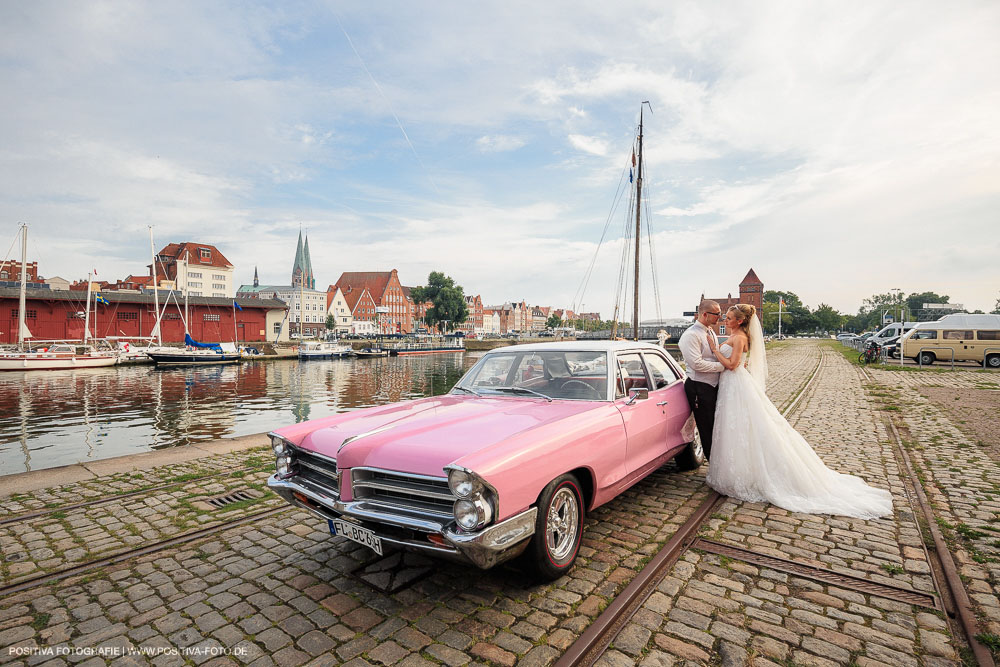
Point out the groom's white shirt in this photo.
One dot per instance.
(699, 360)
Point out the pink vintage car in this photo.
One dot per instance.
(507, 463)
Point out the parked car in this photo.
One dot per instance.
(506, 464)
(955, 337)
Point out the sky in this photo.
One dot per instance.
(840, 149)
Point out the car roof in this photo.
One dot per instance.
(581, 346)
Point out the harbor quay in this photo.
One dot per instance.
(182, 556)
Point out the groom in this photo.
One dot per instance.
(703, 370)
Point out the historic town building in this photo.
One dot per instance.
(195, 269)
(751, 292)
(393, 307)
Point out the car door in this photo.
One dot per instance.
(668, 394)
(645, 426)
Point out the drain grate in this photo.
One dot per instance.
(232, 497)
(907, 595)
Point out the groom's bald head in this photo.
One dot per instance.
(709, 312)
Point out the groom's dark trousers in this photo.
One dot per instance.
(702, 397)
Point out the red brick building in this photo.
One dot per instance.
(387, 292)
(751, 292)
(59, 315)
(10, 271)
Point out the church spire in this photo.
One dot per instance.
(256, 280)
(308, 266)
(298, 270)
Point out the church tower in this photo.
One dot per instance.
(302, 270)
(256, 280)
(752, 290)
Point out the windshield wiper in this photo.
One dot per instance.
(522, 390)
(471, 391)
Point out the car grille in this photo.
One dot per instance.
(415, 493)
(317, 469)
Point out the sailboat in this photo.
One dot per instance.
(194, 352)
(60, 354)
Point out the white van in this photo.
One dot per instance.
(890, 331)
(960, 336)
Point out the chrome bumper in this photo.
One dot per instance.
(485, 548)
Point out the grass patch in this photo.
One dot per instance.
(892, 568)
(40, 622)
(968, 532)
(58, 515)
(990, 640)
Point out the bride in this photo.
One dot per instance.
(756, 454)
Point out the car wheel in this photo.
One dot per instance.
(558, 529)
(993, 361)
(693, 455)
(927, 358)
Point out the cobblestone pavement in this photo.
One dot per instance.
(714, 609)
(961, 479)
(284, 592)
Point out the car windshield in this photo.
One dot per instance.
(574, 375)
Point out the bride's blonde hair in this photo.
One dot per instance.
(744, 312)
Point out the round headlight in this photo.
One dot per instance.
(473, 514)
(463, 484)
(278, 445)
(466, 514)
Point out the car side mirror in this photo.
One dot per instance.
(637, 395)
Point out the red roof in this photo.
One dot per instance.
(193, 250)
(751, 279)
(352, 296)
(374, 281)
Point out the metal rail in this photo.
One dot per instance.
(107, 499)
(956, 600)
(589, 647)
(920, 355)
(121, 556)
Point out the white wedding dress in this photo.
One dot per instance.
(757, 456)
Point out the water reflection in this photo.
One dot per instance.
(56, 418)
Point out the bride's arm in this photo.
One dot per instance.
(739, 345)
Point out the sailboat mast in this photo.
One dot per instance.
(86, 316)
(638, 209)
(21, 324)
(156, 293)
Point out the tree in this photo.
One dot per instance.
(996, 308)
(331, 323)
(828, 318)
(553, 321)
(447, 299)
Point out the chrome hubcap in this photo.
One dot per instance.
(562, 524)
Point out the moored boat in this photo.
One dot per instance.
(428, 347)
(57, 357)
(323, 350)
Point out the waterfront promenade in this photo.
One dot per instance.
(277, 589)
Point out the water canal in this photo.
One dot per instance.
(54, 418)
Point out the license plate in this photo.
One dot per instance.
(356, 533)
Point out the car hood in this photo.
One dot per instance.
(425, 435)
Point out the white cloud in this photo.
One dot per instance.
(592, 145)
(499, 143)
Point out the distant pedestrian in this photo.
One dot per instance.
(663, 337)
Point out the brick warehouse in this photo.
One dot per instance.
(59, 315)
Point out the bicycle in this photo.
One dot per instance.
(870, 354)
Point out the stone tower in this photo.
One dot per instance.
(752, 290)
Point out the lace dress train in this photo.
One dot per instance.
(757, 456)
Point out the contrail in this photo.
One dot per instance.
(388, 104)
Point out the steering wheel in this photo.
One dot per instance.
(590, 391)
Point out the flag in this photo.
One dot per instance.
(629, 175)
(236, 305)
(95, 272)
(782, 300)
(100, 299)
(633, 157)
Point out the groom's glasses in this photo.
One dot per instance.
(718, 314)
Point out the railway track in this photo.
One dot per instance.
(943, 569)
(592, 644)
